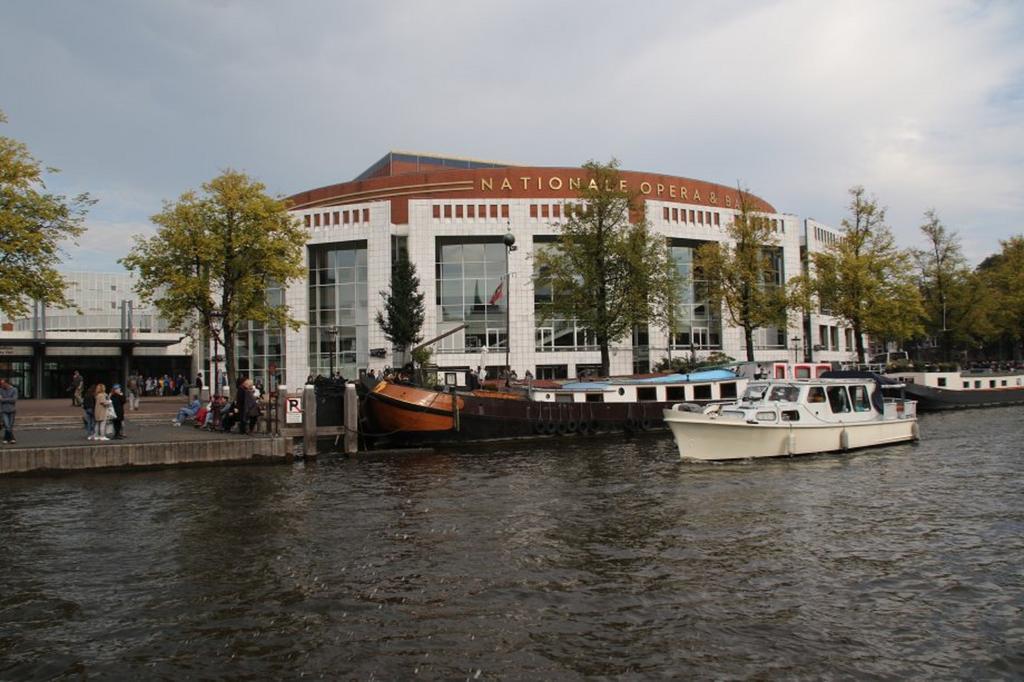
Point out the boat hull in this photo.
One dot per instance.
(931, 399)
(408, 414)
(703, 437)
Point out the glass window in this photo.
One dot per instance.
(340, 304)
(861, 401)
(838, 399)
(471, 273)
(815, 394)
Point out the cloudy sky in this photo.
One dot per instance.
(922, 102)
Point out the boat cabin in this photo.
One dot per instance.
(821, 401)
(698, 387)
(962, 381)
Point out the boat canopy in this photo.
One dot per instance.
(692, 377)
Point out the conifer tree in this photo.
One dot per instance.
(404, 312)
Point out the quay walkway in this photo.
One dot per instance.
(51, 438)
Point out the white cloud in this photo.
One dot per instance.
(920, 101)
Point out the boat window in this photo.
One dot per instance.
(595, 397)
(675, 393)
(563, 397)
(977, 384)
(838, 399)
(646, 393)
(942, 381)
(802, 372)
(755, 392)
(790, 415)
(967, 384)
(788, 394)
(816, 394)
(1004, 382)
(991, 383)
(861, 402)
(727, 390)
(765, 416)
(702, 392)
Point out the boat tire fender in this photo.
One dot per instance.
(571, 426)
(538, 427)
(844, 440)
(646, 424)
(915, 431)
(562, 428)
(551, 427)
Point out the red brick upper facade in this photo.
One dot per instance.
(399, 179)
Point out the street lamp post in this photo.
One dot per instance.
(216, 324)
(796, 348)
(332, 334)
(510, 245)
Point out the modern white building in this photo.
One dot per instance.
(105, 333)
(450, 215)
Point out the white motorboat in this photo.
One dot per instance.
(794, 417)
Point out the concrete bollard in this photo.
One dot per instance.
(351, 419)
(279, 409)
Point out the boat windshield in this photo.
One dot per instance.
(785, 393)
(754, 392)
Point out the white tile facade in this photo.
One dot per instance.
(423, 230)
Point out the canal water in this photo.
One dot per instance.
(560, 560)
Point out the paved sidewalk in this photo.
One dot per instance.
(53, 437)
(59, 412)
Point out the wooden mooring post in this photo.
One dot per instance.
(351, 420)
(309, 421)
(347, 433)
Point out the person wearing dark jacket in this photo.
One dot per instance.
(8, 406)
(117, 408)
(248, 407)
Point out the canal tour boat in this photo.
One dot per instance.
(779, 418)
(956, 390)
(406, 413)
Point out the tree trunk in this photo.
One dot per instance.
(748, 335)
(859, 337)
(229, 361)
(605, 360)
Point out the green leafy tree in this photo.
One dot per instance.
(865, 280)
(956, 300)
(608, 270)
(741, 275)
(1004, 273)
(403, 314)
(215, 253)
(33, 223)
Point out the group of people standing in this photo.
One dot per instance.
(99, 408)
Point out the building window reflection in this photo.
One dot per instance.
(470, 275)
(338, 300)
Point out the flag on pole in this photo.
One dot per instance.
(498, 293)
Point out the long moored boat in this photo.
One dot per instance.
(936, 391)
(401, 412)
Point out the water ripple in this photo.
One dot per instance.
(568, 559)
